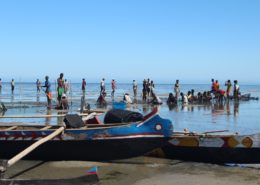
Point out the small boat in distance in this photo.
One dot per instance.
(88, 141)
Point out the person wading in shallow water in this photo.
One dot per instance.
(177, 89)
(236, 90)
(229, 85)
(113, 86)
(38, 85)
(47, 85)
(135, 88)
(66, 85)
(83, 86)
(102, 86)
(0, 85)
(12, 86)
(60, 89)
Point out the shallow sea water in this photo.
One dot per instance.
(242, 117)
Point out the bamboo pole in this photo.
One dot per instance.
(11, 128)
(34, 146)
(90, 116)
(40, 116)
(96, 111)
(46, 128)
(197, 134)
(215, 131)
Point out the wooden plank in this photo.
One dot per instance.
(46, 128)
(95, 110)
(10, 128)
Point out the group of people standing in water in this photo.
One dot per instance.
(62, 89)
(148, 92)
(206, 96)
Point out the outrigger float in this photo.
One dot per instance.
(212, 147)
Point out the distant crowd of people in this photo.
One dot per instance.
(206, 96)
(148, 92)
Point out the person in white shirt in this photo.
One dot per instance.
(102, 86)
(184, 99)
(155, 99)
(127, 98)
(236, 90)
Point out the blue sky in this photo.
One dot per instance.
(190, 40)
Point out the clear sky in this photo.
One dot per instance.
(192, 40)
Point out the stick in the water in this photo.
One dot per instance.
(215, 131)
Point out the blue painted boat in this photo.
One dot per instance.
(93, 142)
(119, 105)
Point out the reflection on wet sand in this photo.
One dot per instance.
(236, 108)
(216, 108)
(12, 98)
(48, 119)
(37, 97)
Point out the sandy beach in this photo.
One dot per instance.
(142, 171)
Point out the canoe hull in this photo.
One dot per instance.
(213, 154)
(214, 148)
(91, 150)
(98, 143)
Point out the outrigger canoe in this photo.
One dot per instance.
(214, 148)
(92, 142)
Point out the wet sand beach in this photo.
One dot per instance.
(142, 171)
